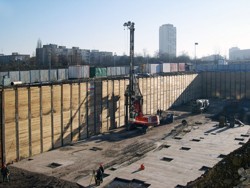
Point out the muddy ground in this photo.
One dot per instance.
(120, 146)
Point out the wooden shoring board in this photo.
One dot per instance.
(243, 85)
(233, 84)
(57, 115)
(152, 91)
(110, 116)
(91, 108)
(75, 112)
(83, 110)
(218, 85)
(122, 103)
(148, 105)
(115, 102)
(144, 93)
(98, 106)
(46, 118)
(213, 84)
(247, 85)
(66, 114)
(23, 122)
(223, 84)
(35, 120)
(10, 126)
(238, 85)
(104, 106)
(228, 85)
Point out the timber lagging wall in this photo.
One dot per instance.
(226, 85)
(35, 119)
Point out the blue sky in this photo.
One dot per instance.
(216, 25)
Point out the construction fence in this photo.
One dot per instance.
(38, 118)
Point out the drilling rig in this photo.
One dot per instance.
(134, 117)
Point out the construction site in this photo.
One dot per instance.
(174, 130)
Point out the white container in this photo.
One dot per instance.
(78, 71)
(118, 71)
(2, 75)
(44, 75)
(61, 74)
(165, 67)
(25, 77)
(14, 76)
(153, 68)
(53, 75)
(34, 76)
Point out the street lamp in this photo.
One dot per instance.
(195, 44)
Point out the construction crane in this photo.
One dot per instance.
(134, 116)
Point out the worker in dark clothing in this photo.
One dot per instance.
(99, 175)
(5, 173)
(102, 172)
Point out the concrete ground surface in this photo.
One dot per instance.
(172, 154)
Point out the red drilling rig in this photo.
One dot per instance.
(134, 116)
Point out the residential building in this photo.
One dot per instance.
(236, 53)
(52, 54)
(14, 57)
(167, 40)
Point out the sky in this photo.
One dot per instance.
(216, 25)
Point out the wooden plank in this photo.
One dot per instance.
(75, 112)
(66, 115)
(57, 115)
(243, 85)
(46, 116)
(238, 85)
(98, 106)
(91, 109)
(23, 122)
(122, 103)
(10, 126)
(116, 103)
(35, 120)
(105, 106)
(247, 85)
(83, 109)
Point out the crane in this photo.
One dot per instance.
(134, 116)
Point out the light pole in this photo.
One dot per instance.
(195, 44)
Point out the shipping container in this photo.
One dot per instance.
(25, 77)
(2, 74)
(181, 67)
(173, 67)
(123, 70)
(44, 75)
(62, 74)
(78, 71)
(153, 68)
(14, 76)
(34, 76)
(118, 71)
(53, 75)
(165, 67)
(97, 72)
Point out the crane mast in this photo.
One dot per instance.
(133, 96)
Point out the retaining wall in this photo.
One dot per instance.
(36, 119)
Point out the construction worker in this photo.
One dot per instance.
(102, 170)
(99, 175)
(5, 172)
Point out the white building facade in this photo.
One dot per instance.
(167, 40)
(236, 53)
